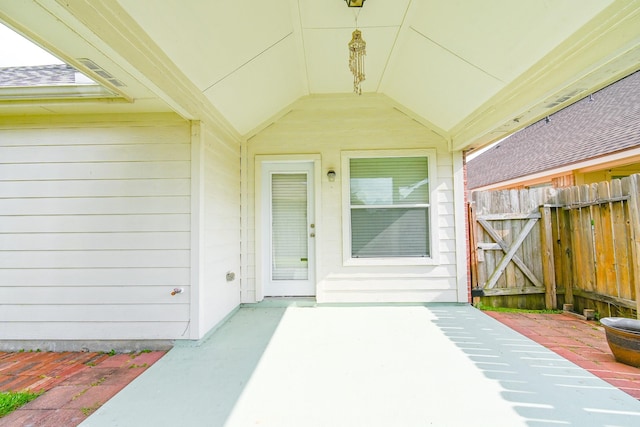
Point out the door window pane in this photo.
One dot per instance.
(289, 227)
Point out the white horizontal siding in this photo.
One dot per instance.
(446, 233)
(95, 205)
(389, 284)
(96, 171)
(93, 241)
(382, 296)
(220, 228)
(412, 273)
(88, 331)
(95, 222)
(329, 125)
(134, 132)
(79, 295)
(92, 276)
(94, 153)
(447, 245)
(95, 188)
(94, 259)
(98, 312)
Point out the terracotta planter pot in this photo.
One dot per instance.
(623, 337)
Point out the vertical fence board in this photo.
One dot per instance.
(566, 250)
(587, 251)
(633, 189)
(622, 248)
(533, 239)
(514, 229)
(556, 236)
(549, 274)
(608, 263)
(621, 237)
(499, 205)
(489, 256)
(575, 222)
(481, 202)
(527, 252)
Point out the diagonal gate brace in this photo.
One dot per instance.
(510, 253)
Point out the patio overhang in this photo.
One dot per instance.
(472, 72)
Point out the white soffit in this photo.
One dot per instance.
(336, 14)
(503, 38)
(327, 57)
(455, 55)
(326, 32)
(209, 40)
(467, 67)
(258, 90)
(435, 84)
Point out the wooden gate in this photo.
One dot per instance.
(507, 259)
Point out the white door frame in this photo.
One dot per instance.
(261, 246)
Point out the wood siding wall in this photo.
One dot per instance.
(329, 125)
(220, 230)
(95, 229)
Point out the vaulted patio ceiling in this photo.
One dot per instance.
(472, 71)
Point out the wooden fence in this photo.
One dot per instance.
(541, 248)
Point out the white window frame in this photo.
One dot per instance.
(348, 260)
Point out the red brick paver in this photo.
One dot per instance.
(74, 384)
(582, 342)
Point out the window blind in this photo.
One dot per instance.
(289, 227)
(389, 200)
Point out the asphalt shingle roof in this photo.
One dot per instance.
(606, 122)
(40, 75)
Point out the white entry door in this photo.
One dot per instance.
(288, 229)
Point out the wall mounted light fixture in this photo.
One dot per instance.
(331, 175)
(355, 3)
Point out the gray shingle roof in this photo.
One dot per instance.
(40, 75)
(604, 123)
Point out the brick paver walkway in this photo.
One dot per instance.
(582, 342)
(74, 384)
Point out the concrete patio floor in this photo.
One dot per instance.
(398, 365)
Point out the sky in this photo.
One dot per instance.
(15, 51)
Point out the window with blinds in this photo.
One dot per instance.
(389, 207)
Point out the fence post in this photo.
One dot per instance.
(634, 214)
(548, 267)
(473, 247)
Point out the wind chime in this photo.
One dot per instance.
(357, 51)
